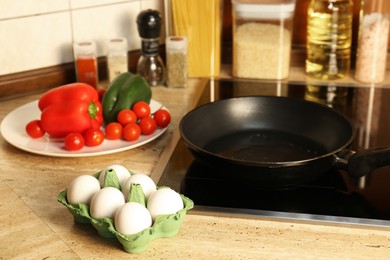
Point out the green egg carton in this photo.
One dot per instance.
(163, 226)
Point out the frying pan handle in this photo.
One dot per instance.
(363, 162)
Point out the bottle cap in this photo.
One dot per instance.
(149, 24)
(117, 46)
(85, 48)
(178, 43)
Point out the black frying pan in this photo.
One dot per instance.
(276, 141)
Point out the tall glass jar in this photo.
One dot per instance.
(372, 41)
(262, 37)
(329, 37)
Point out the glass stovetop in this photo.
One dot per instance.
(333, 197)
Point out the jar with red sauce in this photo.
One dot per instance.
(86, 63)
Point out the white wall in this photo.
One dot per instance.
(39, 33)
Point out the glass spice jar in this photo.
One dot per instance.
(117, 57)
(176, 55)
(86, 63)
(372, 41)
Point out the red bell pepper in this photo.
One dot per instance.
(70, 108)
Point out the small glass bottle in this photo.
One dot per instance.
(150, 64)
(176, 51)
(86, 63)
(372, 41)
(329, 38)
(117, 57)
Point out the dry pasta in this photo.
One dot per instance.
(200, 22)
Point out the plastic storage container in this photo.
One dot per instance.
(262, 36)
(372, 42)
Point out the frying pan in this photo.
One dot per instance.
(276, 141)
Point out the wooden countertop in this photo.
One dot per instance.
(33, 225)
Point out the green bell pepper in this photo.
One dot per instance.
(122, 93)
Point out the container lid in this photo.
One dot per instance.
(86, 48)
(268, 9)
(178, 43)
(117, 46)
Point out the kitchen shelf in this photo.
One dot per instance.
(298, 76)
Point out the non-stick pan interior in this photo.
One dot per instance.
(266, 130)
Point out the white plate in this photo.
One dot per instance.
(13, 131)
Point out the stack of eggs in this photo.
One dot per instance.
(125, 205)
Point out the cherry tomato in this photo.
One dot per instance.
(34, 129)
(131, 132)
(93, 137)
(162, 118)
(148, 125)
(74, 141)
(141, 109)
(126, 116)
(113, 131)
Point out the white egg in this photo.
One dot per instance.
(82, 189)
(132, 218)
(121, 172)
(147, 184)
(106, 202)
(164, 201)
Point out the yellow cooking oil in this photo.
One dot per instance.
(329, 36)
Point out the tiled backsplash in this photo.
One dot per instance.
(39, 33)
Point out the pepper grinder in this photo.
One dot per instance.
(150, 64)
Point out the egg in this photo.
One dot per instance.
(132, 218)
(82, 189)
(106, 202)
(147, 184)
(121, 172)
(164, 201)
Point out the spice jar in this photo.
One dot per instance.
(86, 63)
(176, 52)
(262, 36)
(117, 57)
(372, 41)
(150, 64)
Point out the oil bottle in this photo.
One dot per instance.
(329, 37)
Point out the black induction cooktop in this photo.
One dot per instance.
(333, 197)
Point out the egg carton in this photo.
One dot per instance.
(163, 226)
